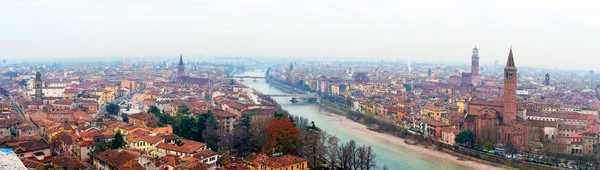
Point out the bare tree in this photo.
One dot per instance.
(354, 156)
(348, 151)
(301, 122)
(226, 142)
(358, 161)
(368, 158)
(510, 149)
(313, 147)
(259, 135)
(333, 150)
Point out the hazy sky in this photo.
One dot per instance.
(564, 33)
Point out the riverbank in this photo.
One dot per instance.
(441, 156)
(399, 142)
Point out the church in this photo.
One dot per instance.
(499, 121)
(186, 80)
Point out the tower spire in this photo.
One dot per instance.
(180, 68)
(180, 59)
(511, 60)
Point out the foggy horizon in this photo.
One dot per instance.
(558, 34)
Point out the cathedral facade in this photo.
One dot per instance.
(498, 121)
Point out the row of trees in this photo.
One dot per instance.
(295, 135)
(203, 127)
(283, 134)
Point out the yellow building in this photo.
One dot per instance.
(335, 89)
(144, 143)
(53, 131)
(105, 95)
(93, 78)
(461, 106)
(143, 119)
(433, 112)
(130, 84)
(150, 94)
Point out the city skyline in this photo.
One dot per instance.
(426, 31)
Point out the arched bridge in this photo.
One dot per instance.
(247, 77)
(306, 96)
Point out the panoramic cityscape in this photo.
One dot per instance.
(274, 85)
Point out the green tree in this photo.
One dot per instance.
(112, 109)
(489, 146)
(211, 136)
(118, 142)
(99, 147)
(184, 109)
(178, 142)
(279, 115)
(154, 110)
(408, 87)
(48, 166)
(479, 144)
(185, 127)
(313, 127)
(465, 137)
(242, 136)
(125, 117)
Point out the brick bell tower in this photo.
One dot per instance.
(510, 89)
(475, 67)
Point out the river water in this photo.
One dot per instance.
(386, 153)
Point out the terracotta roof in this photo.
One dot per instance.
(496, 103)
(29, 146)
(171, 160)
(277, 162)
(223, 114)
(260, 112)
(68, 163)
(63, 102)
(121, 160)
(451, 129)
(193, 166)
(434, 122)
(32, 164)
(235, 105)
(150, 139)
(65, 137)
(539, 123)
(203, 154)
(187, 147)
(143, 116)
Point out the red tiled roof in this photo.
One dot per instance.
(235, 105)
(277, 162)
(203, 154)
(32, 164)
(150, 139)
(68, 163)
(121, 160)
(187, 147)
(223, 114)
(143, 116)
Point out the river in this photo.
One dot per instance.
(389, 154)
